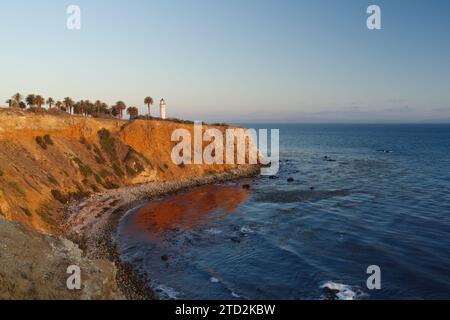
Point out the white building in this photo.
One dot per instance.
(162, 108)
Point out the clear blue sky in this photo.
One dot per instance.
(236, 60)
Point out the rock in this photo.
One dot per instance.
(330, 293)
(235, 239)
(385, 151)
(246, 186)
(165, 258)
(312, 188)
(290, 180)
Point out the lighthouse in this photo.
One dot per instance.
(162, 109)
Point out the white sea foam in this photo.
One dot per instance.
(343, 291)
(214, 280)
(167, 293)
(247, 230)
(213, 231)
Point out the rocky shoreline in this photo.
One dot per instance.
(91, 223)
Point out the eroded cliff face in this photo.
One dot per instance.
(47, 161)
(34, 266)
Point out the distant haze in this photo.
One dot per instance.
(234, 60)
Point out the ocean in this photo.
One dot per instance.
(362, 195)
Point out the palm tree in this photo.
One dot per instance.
(149, 102)
(68, 103)
(98, 106)
(50, 102)
(120, 105)
(9, 102)
(133, 112)
(58, 105)
(78, 107)
(39, 101)
(17, 99)
(115, 111)
(30, 100)
(88, 108)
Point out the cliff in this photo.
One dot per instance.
(47, 161)
(64, 176)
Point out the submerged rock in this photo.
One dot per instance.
(384, 151)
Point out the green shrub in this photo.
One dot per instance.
(105, 173)
(77, 161)
(85, 182)
(95, 188)
(118, 170)
(48, 140)
(110, 186)
(131, 171)
(17, 188)
(86, 170)
(97, 178)
(78, 195)
(47, 218)
(99, 156)
(40, 141)
(53, 180)
(108, 144)
(59, 196)
(26, 211)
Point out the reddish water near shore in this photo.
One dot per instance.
(190, 210)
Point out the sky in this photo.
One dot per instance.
(236, 60)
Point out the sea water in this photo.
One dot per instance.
(362, 195)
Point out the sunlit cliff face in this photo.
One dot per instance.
(190, 210)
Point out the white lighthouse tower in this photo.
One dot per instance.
(162, 109)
